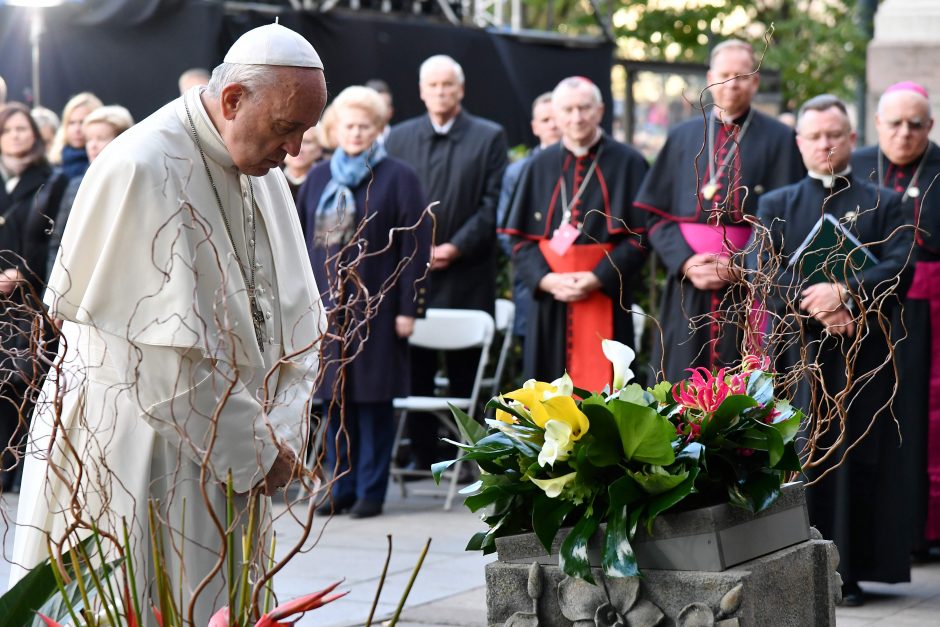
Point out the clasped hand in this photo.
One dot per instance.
(708, 271)
(569, 287)
(826, 303)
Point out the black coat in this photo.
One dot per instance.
(461, 170)
(861, 506)
(381, 371)
(672, 193)
(917, 330)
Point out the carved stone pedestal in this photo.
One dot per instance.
(796, 585)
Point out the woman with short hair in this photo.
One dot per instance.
(99, 128)
(366, 206)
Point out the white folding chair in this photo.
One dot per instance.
(445, 330)
(505, 315)
(639, 324)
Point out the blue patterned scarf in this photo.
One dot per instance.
(336, 211)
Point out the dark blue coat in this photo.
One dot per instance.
(381, 371)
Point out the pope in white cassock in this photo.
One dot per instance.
(190, 323)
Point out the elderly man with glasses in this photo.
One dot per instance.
(906, 161)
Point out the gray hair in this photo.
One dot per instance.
(823, 102)
(3, 90)
(574, 82)
(119, 118)
(439, 59)
(252, 77)
(733, 44)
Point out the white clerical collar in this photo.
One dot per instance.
(209, 136)
(829, 180)
(444, 129)
(580, 151)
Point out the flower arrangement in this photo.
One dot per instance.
(556, 455)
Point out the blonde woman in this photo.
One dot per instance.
(99, 128)
(68, 147)
(356, 202)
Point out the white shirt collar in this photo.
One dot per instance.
(444, 129)
(829, 180)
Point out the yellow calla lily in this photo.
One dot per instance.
(564, 409)
(505, 416)
(532, 399)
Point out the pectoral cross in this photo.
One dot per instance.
(257, 320)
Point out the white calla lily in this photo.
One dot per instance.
(553, 487)
(621, 356)
(558, 443)
(564, 386)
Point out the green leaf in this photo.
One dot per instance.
(662, 392)
(625, 490)
(476, 541)
(760, 387)
(57, 607)
(618, 559)
(788, 427)
(633, 393)
(573, 559)
(691, 453)
(663, 502)
(548, 516)
(726, 415)
(438, 468)
(470, 430)
(756, 493)
(19, 604)
(658, 479)
(645, 435)
(602, 447)
(774, 444)
(790, 460)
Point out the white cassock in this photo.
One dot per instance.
(161, 377)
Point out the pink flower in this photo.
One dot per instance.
(48, 621)
(704, 391)
(755, 362)
(286, 610)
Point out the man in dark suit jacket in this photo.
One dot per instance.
(460, 160)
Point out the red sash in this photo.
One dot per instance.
(926, 286)
(589, 320)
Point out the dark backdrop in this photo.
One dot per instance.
(131, 53)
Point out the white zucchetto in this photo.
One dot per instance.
(273, 44)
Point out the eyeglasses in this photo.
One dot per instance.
(829, 137)
(913, 125)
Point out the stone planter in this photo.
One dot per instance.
(712, 566)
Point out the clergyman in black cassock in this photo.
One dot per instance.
(605, 215)
(907, 162)
(841, 347)
(712, 170)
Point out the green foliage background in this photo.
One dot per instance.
(817, 45)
